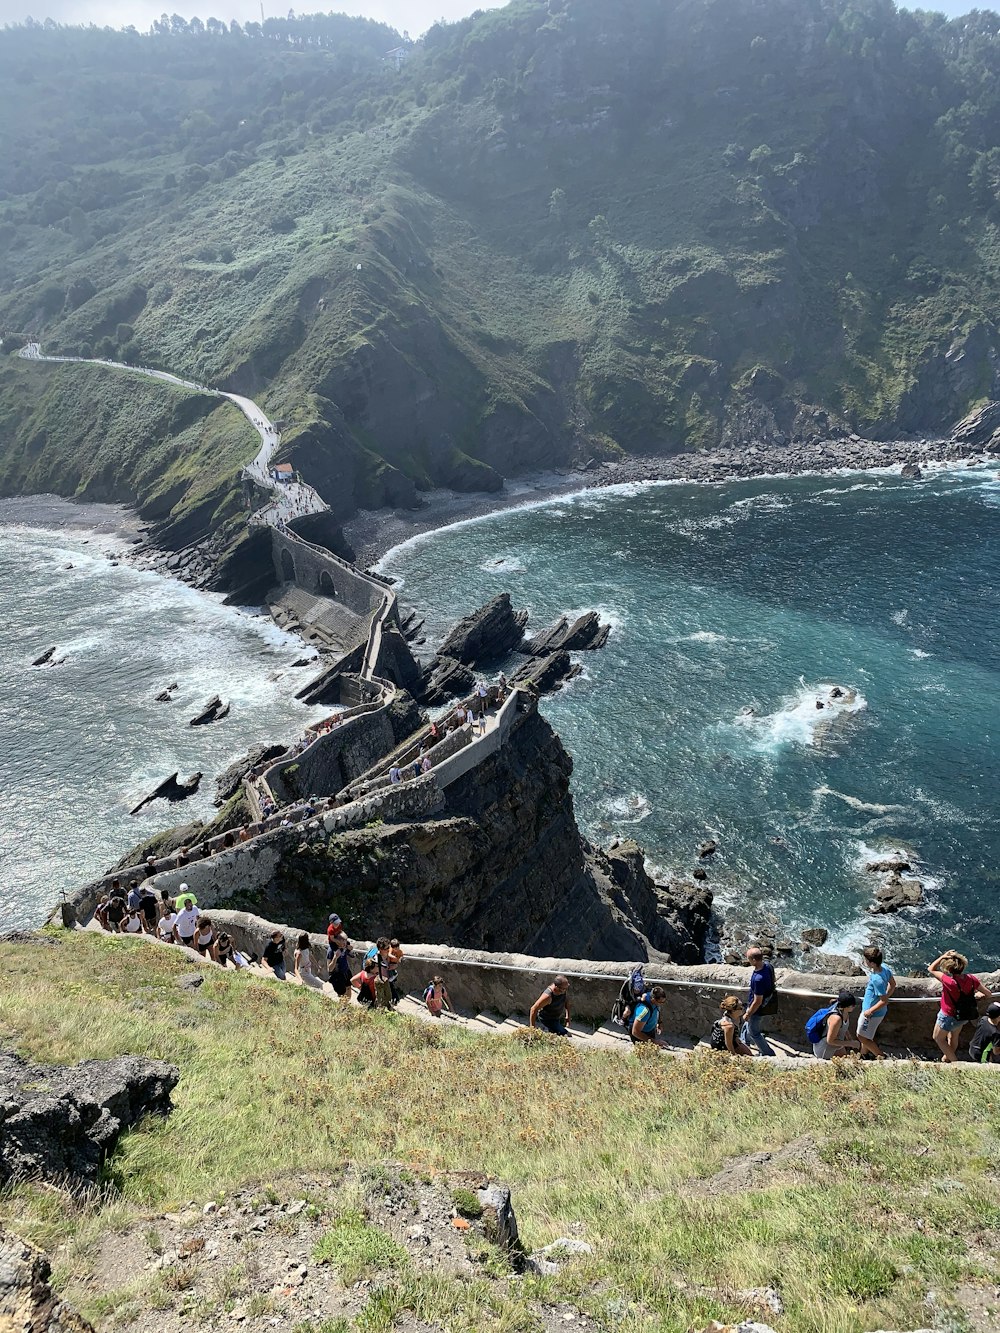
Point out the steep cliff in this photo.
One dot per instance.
(504, 867)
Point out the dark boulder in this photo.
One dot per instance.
(170, 789)
(214, 711)
(546, 674)
(815, 936)
(446, 679)
(708, 848)
(166, 696)
(584, 634)
(911, 471)
(894, 894)
(46, 658)
(27, 1301)
(229, 781)
(891, 865)
(60, 1122)
(486, 635)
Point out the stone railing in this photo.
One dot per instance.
(505, 984)
(335, 730)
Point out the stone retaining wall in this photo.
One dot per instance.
(249, 867)
(342, 582)
(503, 984)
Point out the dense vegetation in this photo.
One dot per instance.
(557, 228)
(885, 1215)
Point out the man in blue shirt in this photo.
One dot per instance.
(760, 996)
(646, 1020)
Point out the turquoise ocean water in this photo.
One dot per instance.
(734, 607)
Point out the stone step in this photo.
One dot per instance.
(488, 1020)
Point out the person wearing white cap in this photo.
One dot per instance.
(187, 919)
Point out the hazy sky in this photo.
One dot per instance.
(413, 15)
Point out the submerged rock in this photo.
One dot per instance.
(166, 696)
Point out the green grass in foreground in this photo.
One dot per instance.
(900, 1198)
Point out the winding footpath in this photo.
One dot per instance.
(291, 499)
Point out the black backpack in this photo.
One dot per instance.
(966, 1006)
(633, 989)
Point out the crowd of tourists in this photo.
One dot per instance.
(843, 1026)
(846, 1024)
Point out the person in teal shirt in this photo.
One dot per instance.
(875, 1006)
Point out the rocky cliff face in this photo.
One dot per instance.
(505, 868)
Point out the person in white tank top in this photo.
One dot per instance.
(304, 965)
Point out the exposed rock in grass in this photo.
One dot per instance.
(59, 1123)
(27, 1301)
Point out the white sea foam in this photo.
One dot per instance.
(705, 636)
(919, 652)
(870, 807)
(800, 722)
(900, 617)
(630, 809)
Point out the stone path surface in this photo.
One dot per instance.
(290, 499)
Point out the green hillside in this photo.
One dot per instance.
(560, 228)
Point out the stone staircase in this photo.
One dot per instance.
(320, 620)
(606, 1037)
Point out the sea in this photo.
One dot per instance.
(734, 608)
(85, 740)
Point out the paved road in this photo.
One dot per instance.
(290, 499)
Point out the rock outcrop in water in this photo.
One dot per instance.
(60, 1122)
(214, 711)
(486, 635)
(170, 789)
(582, 635)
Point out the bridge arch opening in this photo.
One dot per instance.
(326, 585)
(287, 567)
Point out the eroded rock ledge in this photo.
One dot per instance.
(60, 1122)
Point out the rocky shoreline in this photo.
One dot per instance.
(373, 533)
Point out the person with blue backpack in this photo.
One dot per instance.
(828, 1031)
(646, 1025)
(760, 999)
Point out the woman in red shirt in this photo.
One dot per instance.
(960, 991)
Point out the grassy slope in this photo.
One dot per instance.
(275, 1080)
(101, 435)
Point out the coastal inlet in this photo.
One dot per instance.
(734, 608)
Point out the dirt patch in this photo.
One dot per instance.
(796, 1162)
(249, 1261)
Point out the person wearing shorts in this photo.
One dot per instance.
(875, 1005)
(958, 989)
